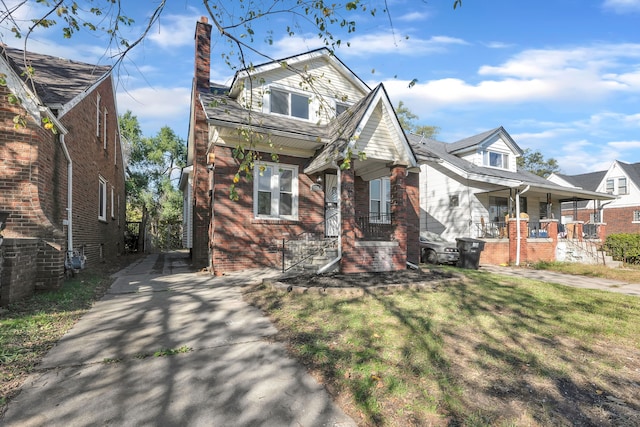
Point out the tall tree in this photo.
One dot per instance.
(408, 120)
(152, 171)
(534, 161)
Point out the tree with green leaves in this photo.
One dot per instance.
(534, 162)
(153, 168)
(408, 120)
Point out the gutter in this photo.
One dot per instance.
(69, 221)
(333, 262)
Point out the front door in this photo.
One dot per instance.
(331, 216)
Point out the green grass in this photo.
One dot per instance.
(629, 273)
(492, 350)
(29, 328)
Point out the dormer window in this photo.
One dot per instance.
(289, 103)
(495, 160)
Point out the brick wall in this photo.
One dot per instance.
(618, 220)
(101, 240)
(19, 269)
(495, 252)
(413, 218)
(240, 241)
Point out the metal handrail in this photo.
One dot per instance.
(297, 238)
(378, 226)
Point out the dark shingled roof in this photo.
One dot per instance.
(57, 80)
(588, 181)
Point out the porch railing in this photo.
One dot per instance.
(538, 230)
(376, 227)
(492, 230)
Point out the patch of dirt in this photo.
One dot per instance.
(359, 280)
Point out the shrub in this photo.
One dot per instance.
(624, 247)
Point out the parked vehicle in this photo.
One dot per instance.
(436, 250)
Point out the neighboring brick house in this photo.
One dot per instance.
(61, 171)
(312, 112)
(621, 215)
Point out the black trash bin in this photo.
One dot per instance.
(470, 250)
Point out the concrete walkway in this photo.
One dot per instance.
(103, 372)
(566, 279)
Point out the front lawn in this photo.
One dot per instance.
(489, 351)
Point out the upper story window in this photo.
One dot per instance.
(380, 200)
(104, 128)
(495, 160)
(98, 116)
(621, 187)
(275, 191)
(289, 103)
(341, 108)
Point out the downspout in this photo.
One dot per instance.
(334, 261)
(69, 198)
(518, 234)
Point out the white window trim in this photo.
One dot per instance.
(275, 191)
(486, 160)
(102, 197)
(113, 205)
(115, 149)
(289, 91)
(633, 219)
(98, 116)
(385, 209)
(104, 128)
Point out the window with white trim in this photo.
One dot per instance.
(610, 186)
(104, 128)
(275, 191)
(380, 200)
(495, 160)
(98, 115)
(289, 103)
(636, 216)
(341, 107)
(113, 205)
(102, 199)
(622, 185)
(115, 149)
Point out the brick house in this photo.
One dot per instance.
(61, 171)
(621, 180)
(473, 188)
(313, 113)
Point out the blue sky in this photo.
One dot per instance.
(561, 76)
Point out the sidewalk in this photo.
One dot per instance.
(566, 279)
(104, 372)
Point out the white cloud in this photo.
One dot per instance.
(157, 107)
(174, 31)
(625, 145)
(622, 6)
(415, 16)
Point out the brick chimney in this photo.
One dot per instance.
(203, 54)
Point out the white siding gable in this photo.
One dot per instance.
(317, 78)
(632, 195)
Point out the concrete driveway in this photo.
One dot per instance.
(113, 369)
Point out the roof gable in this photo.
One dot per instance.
(298, 64)
(370, 127)
(482, 140)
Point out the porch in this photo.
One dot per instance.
(543, 240)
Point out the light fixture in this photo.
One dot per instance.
(319, 179)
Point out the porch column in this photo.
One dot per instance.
(399, 214)
(348, 216)
(513, 239)
(413, 217)
(602, 231)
